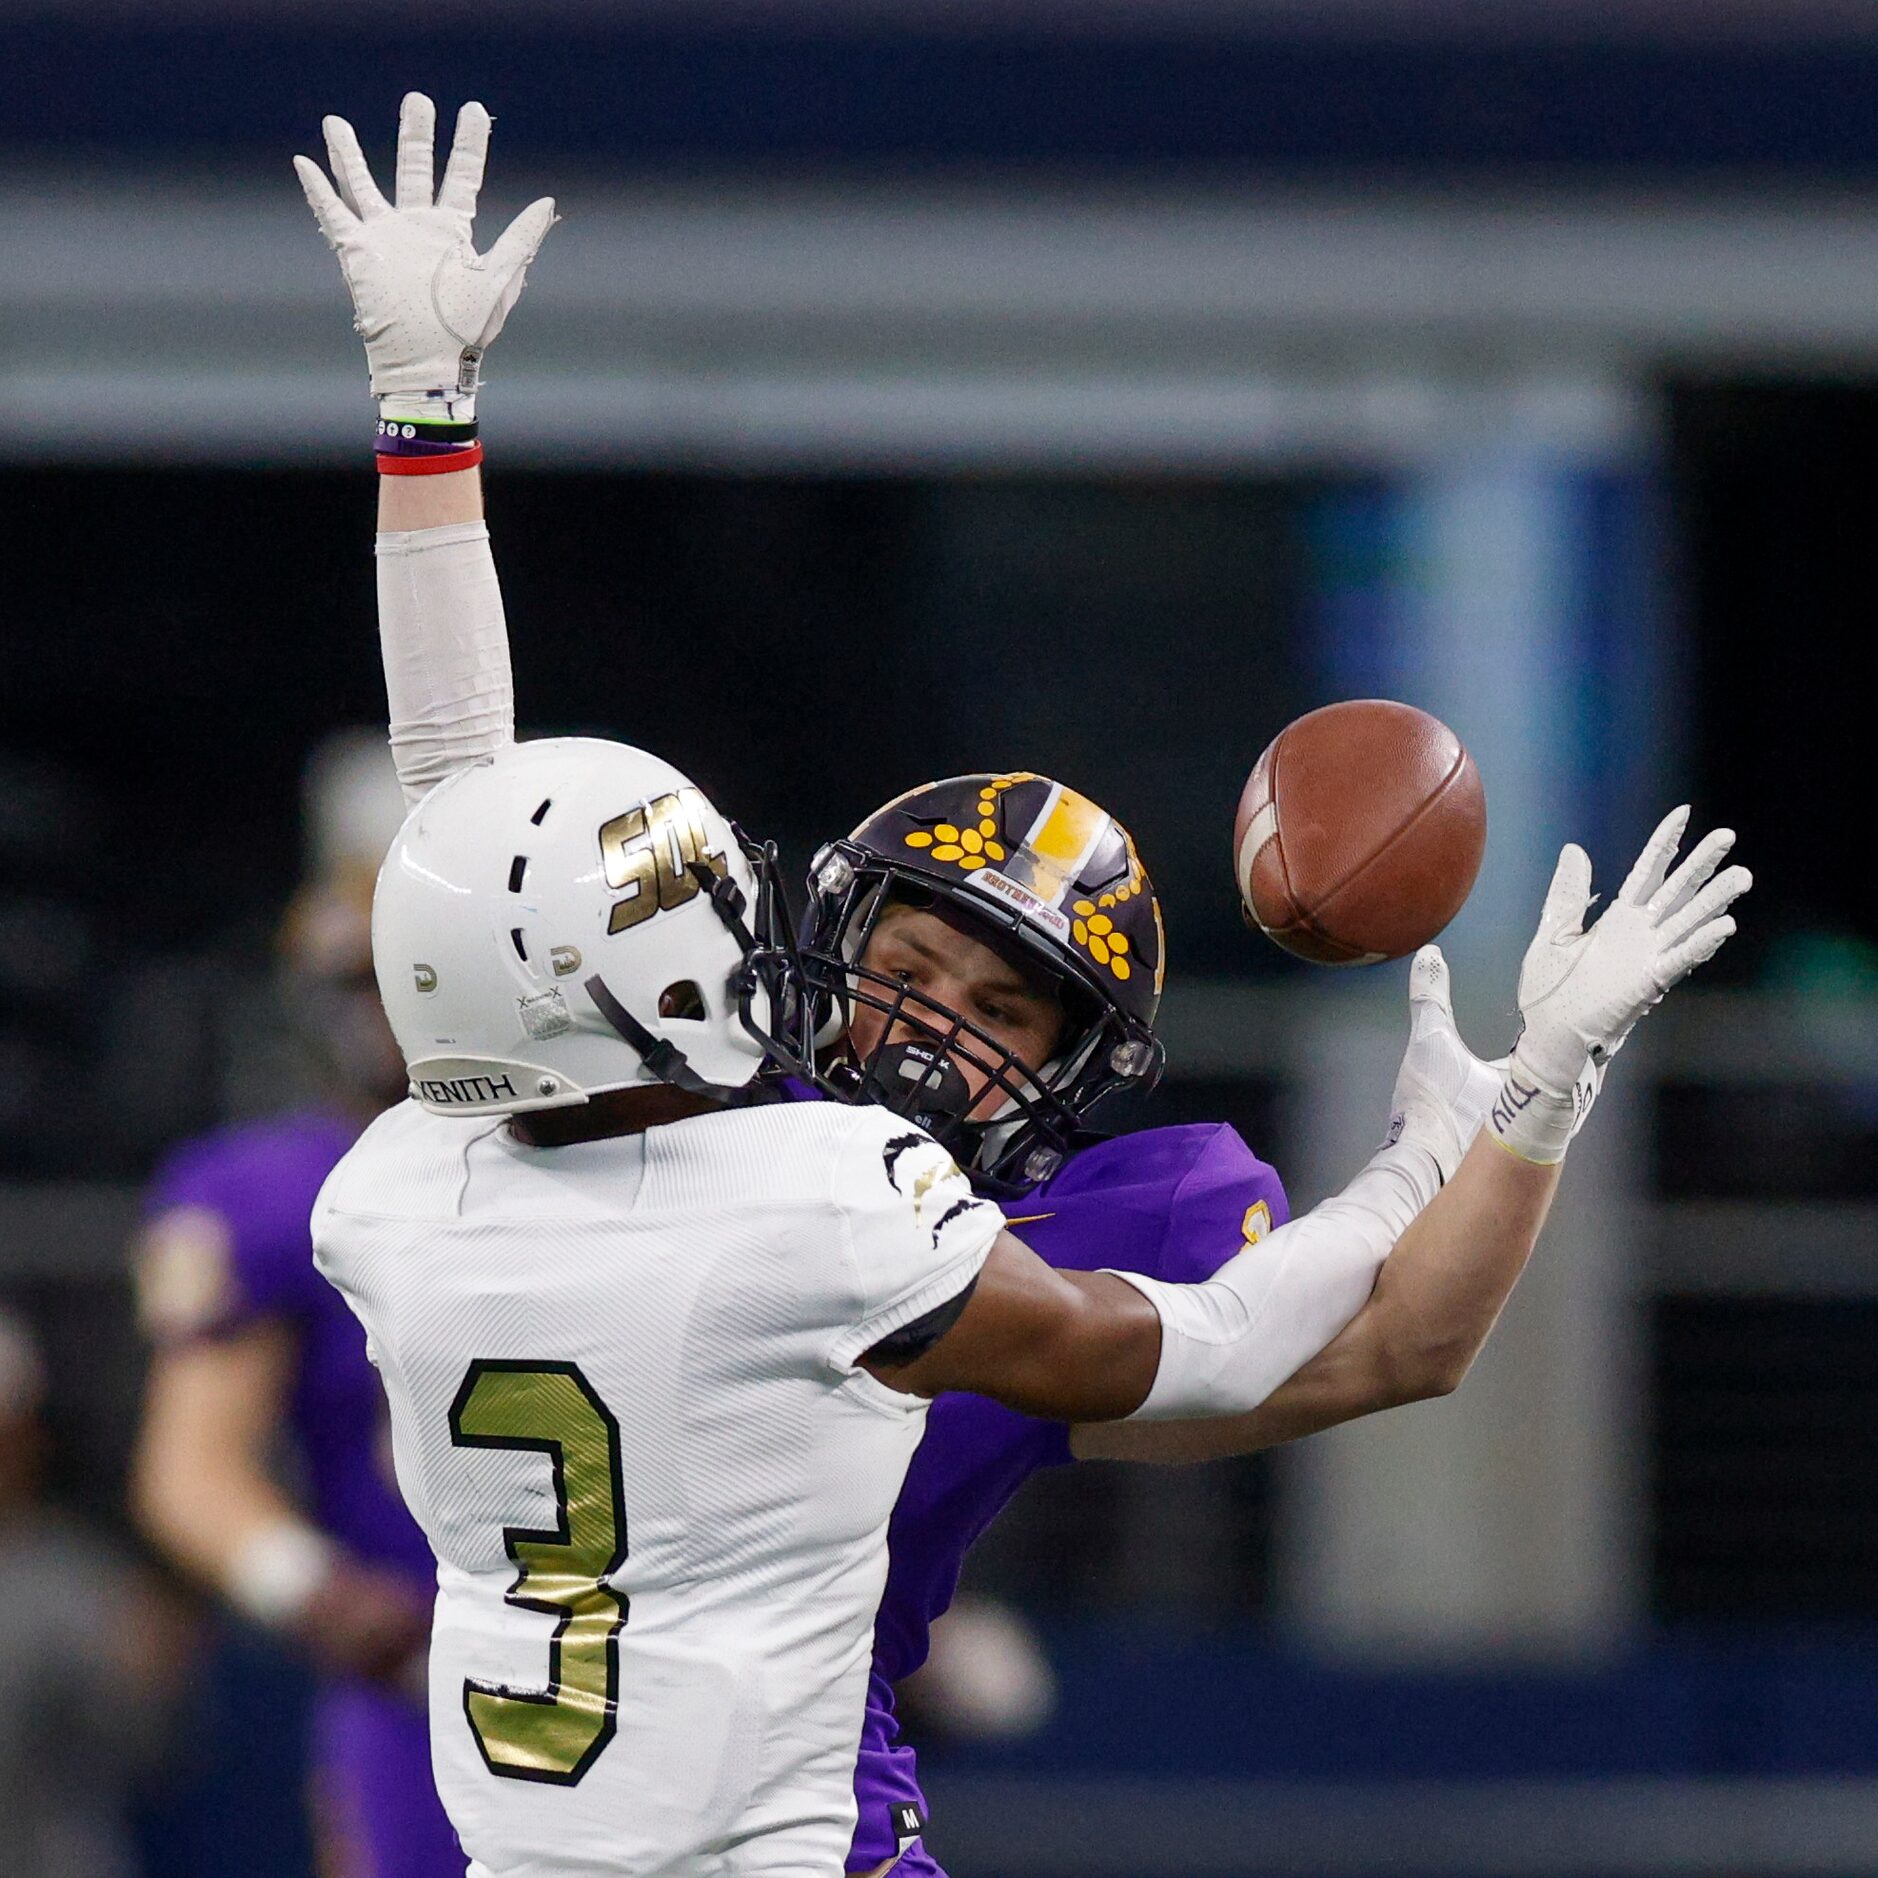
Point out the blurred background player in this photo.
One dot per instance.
(259, 1373)
(89, 1656)
(986, 952)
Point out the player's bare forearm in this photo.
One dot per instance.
(203, 1493)
(200, 1481)
(410, 502)
(1443, 1288)
(1440, 1292)
(1066, 1346)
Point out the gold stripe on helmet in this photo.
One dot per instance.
(1067, 831)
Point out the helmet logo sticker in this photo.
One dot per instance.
(1002, 887)
(546, 1014)
(564, 959)
(651, 850)
(425, 977)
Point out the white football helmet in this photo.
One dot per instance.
(542, 933)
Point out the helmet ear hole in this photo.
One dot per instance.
(683, 1000)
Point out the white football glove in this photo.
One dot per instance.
(1581, 992)
(425, 302)
(1442, 1091)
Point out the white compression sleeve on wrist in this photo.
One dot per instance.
(446, 650)
(276, 1570)
(1228, 1343)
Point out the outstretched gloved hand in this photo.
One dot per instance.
(425, 302)
(1581, 992)
(1442, 1091)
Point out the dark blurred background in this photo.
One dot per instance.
(915, 390)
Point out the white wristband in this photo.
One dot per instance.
(1532, 1121)
(437, 407)
(276, 1570)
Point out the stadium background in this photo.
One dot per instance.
(946, 386)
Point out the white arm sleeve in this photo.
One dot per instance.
(1228, 1343)
(446, 651)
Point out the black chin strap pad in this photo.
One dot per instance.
(920, 1081)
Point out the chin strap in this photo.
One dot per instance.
(771, 963)
(727, 902)
(660, 1055)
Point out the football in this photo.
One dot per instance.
(1359, 832)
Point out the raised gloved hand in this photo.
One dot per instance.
(1442, 1091)
(425, 302)
(1580, 992)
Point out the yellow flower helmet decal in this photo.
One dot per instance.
(1056, 848)
(1095, 930)
(975, 845)
(969, 847)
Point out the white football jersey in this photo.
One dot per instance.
(625, 1409)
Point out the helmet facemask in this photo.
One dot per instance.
(764, 987)
(1015, 1132)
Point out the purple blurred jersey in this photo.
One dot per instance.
(229, 1242)
(1175, 1203)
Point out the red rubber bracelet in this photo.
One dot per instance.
(389, 465)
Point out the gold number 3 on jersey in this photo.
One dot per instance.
(565, 1571)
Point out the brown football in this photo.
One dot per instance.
(1359, 833)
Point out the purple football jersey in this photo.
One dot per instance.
(228, 1246)
(253, 1189)
(1174, 1203)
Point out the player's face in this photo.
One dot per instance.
(327, 941)
(22, 1450)
(965, 975)
(363, 1052)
